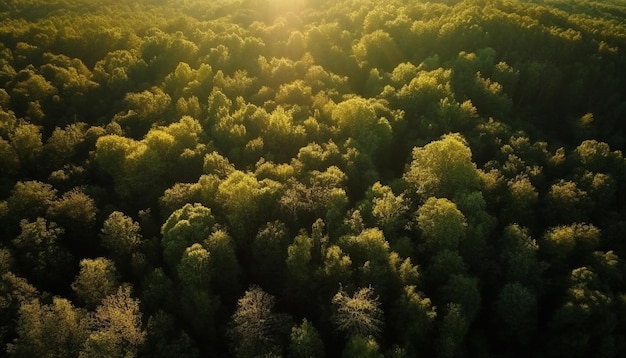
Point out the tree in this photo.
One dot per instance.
(518, 253)
(224, 264)
(254, 329)
(361, 346)
(158, 292)
(359, 314)
(9, 160)
(389, 210)
(464, 292)
(337, 266)
(116, 329)
(75, 211)
(197, 303)
(444, 265)
(299, 265)
(584, 323)
(269, 254)
(194, 268)
(516, 307)
(305, 341)
(144, 109)
(442, 225)
(40, 253)
(27, 143)
(522, 199)
(63, 145)
(378, 49)
(30, 199)
(54, 330)
(566, 203)
(356, 118)
(96, 280)
(164, 339)
(452, 331)
(442, 168)
(369, 251)
(121, 236)
(413, 318)
(186, 226)
(15, 291)
(571, 244)
(243, 199)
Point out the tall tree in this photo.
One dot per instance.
(116, 327)
(442, 168)
(359, 314)
(255, 329)
(96, 280)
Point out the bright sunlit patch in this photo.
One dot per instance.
(284, 6)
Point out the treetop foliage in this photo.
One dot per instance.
(312, 178)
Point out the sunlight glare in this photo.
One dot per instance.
(284, 6)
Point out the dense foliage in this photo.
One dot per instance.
(312, 178)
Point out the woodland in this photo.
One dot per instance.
(312, 178)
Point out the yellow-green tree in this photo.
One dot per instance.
(442, 169)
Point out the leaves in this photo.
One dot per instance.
(359, 314)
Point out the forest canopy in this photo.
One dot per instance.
(310, 178)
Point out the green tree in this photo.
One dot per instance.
(269, 254)
(443, 169)
(522, 199)
(444, 265)
(298, 263)
(516, 307)
(369, 251)
(243, 199)
(413, 318)
(27, 143)
(186, 226)
(465, 292)
(519, 256)
(224, 264)
(144, 109)
(41, 255)
(584, 322)
(378, 49)
(571, 244)
(357, 118)
(96, 280)
(336, 267)
(197, 303)
(116, 327)
(442, 225)
(361, 346)
(452, 331)
(64, 145)
(158, 292)
(566, 203)
(389, 210)
(121, 236)
(54, 330)
(9, 160)
(194, 269)
(164, 339)
(305, 341)
(15, 291)
(30, 199)
(111, 152)
(75, 211)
